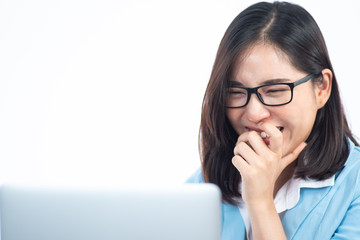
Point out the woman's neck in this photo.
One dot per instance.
(286, 174)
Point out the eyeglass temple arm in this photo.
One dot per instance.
(308, 77)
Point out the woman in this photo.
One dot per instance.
(273, 133)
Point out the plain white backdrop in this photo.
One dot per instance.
(109, 92)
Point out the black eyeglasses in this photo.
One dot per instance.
(273, 94)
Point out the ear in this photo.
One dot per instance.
(323, 88)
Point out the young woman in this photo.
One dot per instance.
(273, 133)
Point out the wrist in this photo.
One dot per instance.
(265, 221)
(260, 207)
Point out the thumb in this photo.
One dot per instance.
(292, 156)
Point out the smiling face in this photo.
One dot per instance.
(261, 64)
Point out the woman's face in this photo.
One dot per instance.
(295, 120)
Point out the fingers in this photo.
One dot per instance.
(275, 135)
(253, 140)
(259, 144)
(251, 146)
(239, 163)
(245, 151)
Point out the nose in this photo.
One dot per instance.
(255, 111)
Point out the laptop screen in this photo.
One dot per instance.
(189, 211)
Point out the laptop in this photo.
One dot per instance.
(189, 211)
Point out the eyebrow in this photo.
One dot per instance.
(270, 81)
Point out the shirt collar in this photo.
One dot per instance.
(289, 194)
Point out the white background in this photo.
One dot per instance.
(110, 92)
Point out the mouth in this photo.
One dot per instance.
(260, 131)
(263, 134)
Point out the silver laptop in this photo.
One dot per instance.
(189, 211)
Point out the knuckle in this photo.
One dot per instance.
(242, 145)
(239, 148)
(264, 165)
(236, 161)
(271, 161)
(253, 134)
(233, 160)
(235, 150)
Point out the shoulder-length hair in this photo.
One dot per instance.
(291, 29)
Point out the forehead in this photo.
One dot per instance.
(261, 63)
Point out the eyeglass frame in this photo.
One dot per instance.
(255, 90)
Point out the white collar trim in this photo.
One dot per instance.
(289, 194)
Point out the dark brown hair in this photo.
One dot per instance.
(291, 29)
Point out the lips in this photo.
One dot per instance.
(259, 130)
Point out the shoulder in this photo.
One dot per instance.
(354, 155)
(350, 174)
(196, 177)
(352, 164)
(348, 197)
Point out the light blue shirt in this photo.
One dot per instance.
(321, 213)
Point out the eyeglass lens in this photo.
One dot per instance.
(276, 94)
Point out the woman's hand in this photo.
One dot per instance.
(260, 164)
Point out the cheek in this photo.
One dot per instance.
(234, 117)
(231, 115)
(301, 112)
(299, 123)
